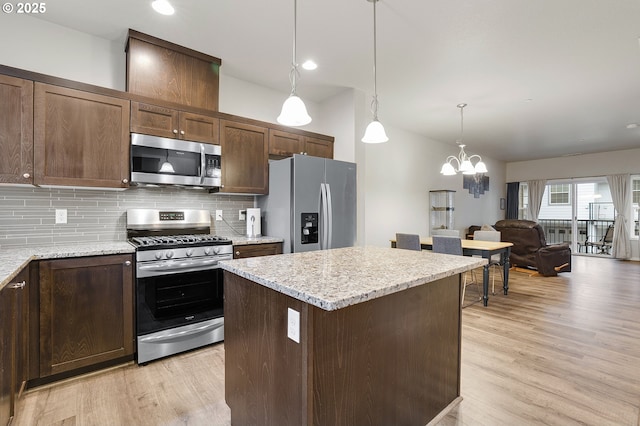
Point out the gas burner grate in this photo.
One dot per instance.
(179, 240)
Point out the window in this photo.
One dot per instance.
(559, 194)
(523, 200)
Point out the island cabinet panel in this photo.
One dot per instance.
(170, 123)
(394, 360)
(254, 250)
(80, 138)
(86, 312)
(245, 158)
(16, 130)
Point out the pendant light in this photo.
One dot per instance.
(375, 131)
(463, 161)
(294, 113)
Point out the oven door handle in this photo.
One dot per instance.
(179, 266)
(181, 335)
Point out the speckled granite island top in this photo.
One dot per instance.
(334, 279)
(13, 260)
(241, 241)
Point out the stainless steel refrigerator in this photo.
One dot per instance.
(311, 203)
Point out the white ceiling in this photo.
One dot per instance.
(542, 78)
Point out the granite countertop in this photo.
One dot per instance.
(241, 240)
(13, 260)
(334, 279)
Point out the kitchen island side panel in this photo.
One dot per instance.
(263, 368)
(394, 360)
(390, 360)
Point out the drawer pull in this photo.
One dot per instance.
(17, 285)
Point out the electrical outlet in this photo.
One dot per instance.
(218, 214)
(293, 325)
(61, 215)
(242, 214)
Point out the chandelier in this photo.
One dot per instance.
(464, 161)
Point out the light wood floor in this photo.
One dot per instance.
(555, 351)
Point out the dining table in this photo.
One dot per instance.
(485, 249)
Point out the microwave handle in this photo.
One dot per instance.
(203, 157)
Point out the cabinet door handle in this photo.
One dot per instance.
(26, 175)
(17, 285)
(238, 253)
(182, 132)
(125, 180)
(127, 263)
(175, 131)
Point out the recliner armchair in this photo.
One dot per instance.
(530, 247)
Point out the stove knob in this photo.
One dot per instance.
(207, 250)
(158, 255)
(216, 250)
(169, 254)
(189, 252)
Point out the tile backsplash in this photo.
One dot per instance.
(27, 214)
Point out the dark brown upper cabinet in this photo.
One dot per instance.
(284, 144)
(162, 70)
(16, 130)
(245, 158)
(80, 138)
(170, 123)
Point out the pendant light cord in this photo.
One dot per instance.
(294, 65)
(374, 102)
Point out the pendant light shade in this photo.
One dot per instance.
(375, 131)
(465, 166)
(294, 113)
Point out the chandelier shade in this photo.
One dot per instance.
(463, 162)
(294, 112)
(375, 130)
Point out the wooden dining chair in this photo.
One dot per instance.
(453, 245)
(408, 241)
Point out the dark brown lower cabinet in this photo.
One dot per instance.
(85, 312)
(12, 345)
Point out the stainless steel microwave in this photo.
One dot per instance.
(163, 161)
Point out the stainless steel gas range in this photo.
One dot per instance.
(179, 288)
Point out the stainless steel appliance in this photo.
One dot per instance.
(311, 203)
(179, 287)
(163, 161)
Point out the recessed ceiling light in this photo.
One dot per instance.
(309, 65)
(163, 7)
(528, 100)
(632, 125)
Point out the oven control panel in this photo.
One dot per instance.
(171, 215)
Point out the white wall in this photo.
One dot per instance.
(40, 46)
(587, 165)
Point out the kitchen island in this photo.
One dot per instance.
(351, 336)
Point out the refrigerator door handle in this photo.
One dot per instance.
(323, 221)
(329, 217)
